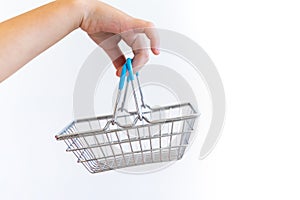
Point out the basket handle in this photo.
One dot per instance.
(127, 67)
(140, 89)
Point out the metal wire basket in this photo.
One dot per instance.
(147, 135)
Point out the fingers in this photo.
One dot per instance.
(116, 55)
(149, 30)
(138, 44)
(135, 37)
(110, 46)
(141, 54)
(152, 34)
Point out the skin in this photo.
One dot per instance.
(26, 36)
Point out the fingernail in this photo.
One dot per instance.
(157, 51)
(118, 72)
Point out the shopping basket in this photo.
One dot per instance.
(130, 138)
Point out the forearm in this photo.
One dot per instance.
(24, 37)
(27, 35)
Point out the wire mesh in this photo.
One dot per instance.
(101, 148)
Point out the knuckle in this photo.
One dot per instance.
(143, 24)
(149, 24)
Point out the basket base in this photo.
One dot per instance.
(133, 159)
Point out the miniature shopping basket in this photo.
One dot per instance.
(130, 138)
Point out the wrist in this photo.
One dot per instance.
(76, 9)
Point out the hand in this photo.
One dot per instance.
(27, 35)
(102, 21)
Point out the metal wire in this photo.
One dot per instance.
(154, 135)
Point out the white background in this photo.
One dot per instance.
(255, 45)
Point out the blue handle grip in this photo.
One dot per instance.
(126, 67)
(123, 76)
(129, 68)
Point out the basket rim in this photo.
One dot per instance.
(62, 136)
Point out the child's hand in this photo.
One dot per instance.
(25, 36)
(102, 21)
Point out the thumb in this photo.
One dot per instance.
(119, 70)
(118, 63)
